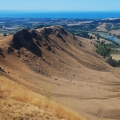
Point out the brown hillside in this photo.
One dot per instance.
(52, 59)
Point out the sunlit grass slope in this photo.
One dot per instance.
(18, 103)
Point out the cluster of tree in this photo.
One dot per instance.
(116, 26)
(118, 36)
(98, 36)
(40, 26)
(85, 35)
(4, 34)
(110, 45)
(104, 51)
(108, 26)
(113, 62)
(107, 21)
(82, 27)
(115, 43)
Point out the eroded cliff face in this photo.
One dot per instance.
(34, 39)
(22, 38)
(50, 44)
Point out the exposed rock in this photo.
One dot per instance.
(35, 35)
(45, 37)
(10, 50)
(1, 69)
(38, 43)
(1, 50)
(19, 56)
(59, 36)
(80, 44)
(48, 31)
(49, 48)
(63, 31)
(1, 53)
(23, 38)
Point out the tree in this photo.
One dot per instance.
(98, 36)
(91, 37)
(4, 34)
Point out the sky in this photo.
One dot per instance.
(60, 5)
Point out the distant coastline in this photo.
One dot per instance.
(74, 15)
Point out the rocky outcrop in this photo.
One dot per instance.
(2, 69)
(10, 50)
(33, 40)
(1, 53)
(24, 38)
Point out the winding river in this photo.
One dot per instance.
(107, 36)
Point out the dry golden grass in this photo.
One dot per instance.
(11, 92)
(116, 56)
(101, 27)
(78, 78)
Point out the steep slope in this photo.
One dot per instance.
(18, 103)
(52, 59)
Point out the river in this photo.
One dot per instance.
(107, 36)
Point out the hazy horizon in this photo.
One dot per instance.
(58, 5)
(60, 9)
(73, 14)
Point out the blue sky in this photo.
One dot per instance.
(60, 5)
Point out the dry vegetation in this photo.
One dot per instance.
(101, 27)
(18, 103)
(116, 56)
(89, 86)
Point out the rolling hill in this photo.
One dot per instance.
(62, 67)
